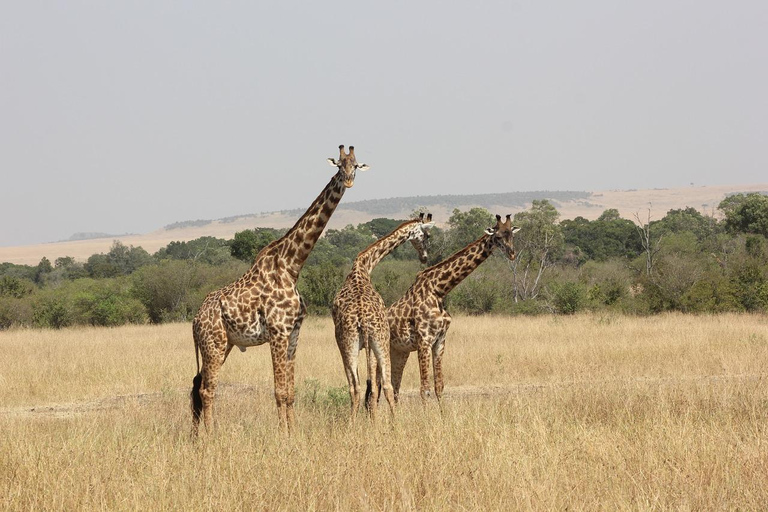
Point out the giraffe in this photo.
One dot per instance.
(418, 320)
(264, 306)
(359, 313)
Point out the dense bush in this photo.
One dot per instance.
(392, 278)
(207, 249)
(568, 297)
(15, 312)
(318, 285)
(699, 265)
(173, 290)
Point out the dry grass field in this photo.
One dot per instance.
(585, 412)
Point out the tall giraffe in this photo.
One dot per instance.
(360, 316)
(264, 306)
(418, 320)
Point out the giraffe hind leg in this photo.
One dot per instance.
(385, 382)
(350, 356)
(213, 346)
(372, 398)
(398, 360)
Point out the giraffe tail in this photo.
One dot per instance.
(196, 401)
(369, 391)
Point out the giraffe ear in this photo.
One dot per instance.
(427, 225)
(515, 229)
(490, 231)
(333, 162)
(362, 167)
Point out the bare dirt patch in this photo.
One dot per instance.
(73, 409)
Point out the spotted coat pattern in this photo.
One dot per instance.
(264, 306)
(359, 313)
(419, 322)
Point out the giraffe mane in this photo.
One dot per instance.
(456, 255)
(370, 246)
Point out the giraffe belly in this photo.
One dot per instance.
(249, 336)
(406, 343)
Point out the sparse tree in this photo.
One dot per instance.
(650, 247)
(538, 244)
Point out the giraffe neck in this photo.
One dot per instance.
(446, 275)
(369, 257)
(294, 247)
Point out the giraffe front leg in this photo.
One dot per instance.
(279, 350)
(384, 374)
(290, 379)
(424, 356)
(398, 366)
(437, 364)
(293, 343)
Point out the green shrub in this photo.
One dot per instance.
(713, 294)
(173, 290)
(318, 285)
(15, 312)
(392, 278)
(568, 297)
(334, 401)
(106, 303)
(52, 311)
(475, 296)
(15, 287)
(530, 307)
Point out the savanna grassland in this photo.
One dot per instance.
(582, 412)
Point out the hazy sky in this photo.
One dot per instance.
(126, 116)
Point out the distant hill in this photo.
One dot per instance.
(91, 236)
(383, 207)
(570, 204)
(394, 206)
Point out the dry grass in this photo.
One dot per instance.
(585, 412)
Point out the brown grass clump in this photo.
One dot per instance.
(585, 412)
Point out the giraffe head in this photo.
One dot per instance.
(347, 164)
(419, 235)
(502, 236)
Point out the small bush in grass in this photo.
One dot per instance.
(568, 297)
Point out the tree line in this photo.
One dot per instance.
(684, 261)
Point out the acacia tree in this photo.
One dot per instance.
(538, 246)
